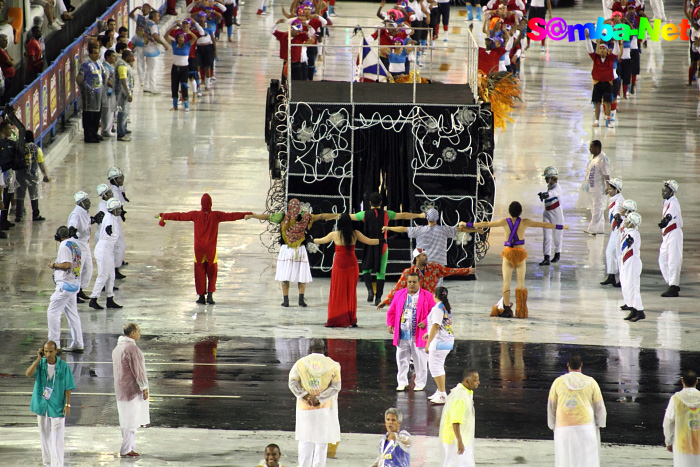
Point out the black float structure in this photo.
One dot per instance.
(424, 145)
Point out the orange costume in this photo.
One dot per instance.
(514, 255)
(206, 231)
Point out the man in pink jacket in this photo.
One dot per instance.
(407, 320)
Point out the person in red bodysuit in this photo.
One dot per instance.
(206, 231)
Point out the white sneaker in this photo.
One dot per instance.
(596, 124)
(419, 388)
(440, 400)
(75, 349)
(59, 22)
(445, 38)
(55, 27)
(609, 123)
(401, 388)
(199, 93)
(437, 393)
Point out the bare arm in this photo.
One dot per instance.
(42, 167)
(261, 217)
(397, 229)
(407, 216)
(367, 241)
(329, 216)
(327, 239)
(486, 225)
(544, 225)
(32, 368)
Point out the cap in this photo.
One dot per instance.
(672, 184)
(102, 189)
(550, 171)
(80, 196)
(114, 172)
(113, 204)
(629, 205)
(634, 218)
(616, 183)
(419, 251)
(432, 215)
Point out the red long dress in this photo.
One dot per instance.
(342, 303)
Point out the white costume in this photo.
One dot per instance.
(120, 247)
(130, 381)
(459, 408)
(658, 8)
(80, 219)
(597, 172)
(576, 412)
(631, 267)
(64, 298)
(101, 207)
(612, 252)
(671, 251)
(104, 255)
(316, 426)
(681, 427)
(554, 214)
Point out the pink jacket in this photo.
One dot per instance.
(393, 314)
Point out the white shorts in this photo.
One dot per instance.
(436, 362)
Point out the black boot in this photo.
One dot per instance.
(672, 291)
(82, 295)
(506, 313)
(79, 300)
(302, 303)
(609, 281)
(285, 302)
(201, 300)
(546, 261)
(93, 304)
(640, 316)
(112, 304)
(210, 299)
(624, 307)
(380, 292)
(118, 275)
(556, 258)
(36, 215)
(367, 277)
(633, 313)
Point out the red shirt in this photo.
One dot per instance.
(7, 70)
(603, 70)
(35, 62)
(428, 277)
(488, 61)
(296, 51)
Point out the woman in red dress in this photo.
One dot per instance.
(342, 303)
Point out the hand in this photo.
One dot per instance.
(472, 271)
(422, 215)
(40, 354)
(247, 216)
(391, 436)
(391, 329)
(280, 21)
(47, 179)
(543, 195)
(669, 448)
(130, 99)
(460, 444)
(480, 231)
(66, 410)
(145, 394)
(108, 229)
(421, 325)
(72, 232)
(380, 306)
(99, 217)
(51, 263)
(566, 227)
(587, 34)
(425, 349)
(386, 229)
(629, 240)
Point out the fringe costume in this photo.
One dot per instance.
(521, 303)
(514, 256)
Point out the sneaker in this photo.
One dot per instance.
(262, 13)
(543, 49)
(419, 388)
(74, 349)
(596, 124)
(445, 38)
(333, 15)
(187, 109)
(108, 134)
(440, 400)
(55, 27)
(400, 388)
(199, 93)
(437, 393)
(126, 138)
(592, 234)
(609, 123)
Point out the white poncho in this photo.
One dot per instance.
(682, 427)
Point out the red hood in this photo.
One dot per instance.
(206, 202)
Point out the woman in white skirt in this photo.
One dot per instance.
(440, 341)
(293, 260)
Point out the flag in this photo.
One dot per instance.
(368, 61)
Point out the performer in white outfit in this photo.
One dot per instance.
(681, 423)
(130, 387)
(597, 174)
(315, 381)
(105, 194)
(116, 179)
(66, 275)
(79, 227)
(458, 421)
(671, 251)
(612, 252)
(576, 413)
(554, 214)
(104, 255)
(657, 7)
(631, 266)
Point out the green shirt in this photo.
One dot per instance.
(61, 382)
(360, 216)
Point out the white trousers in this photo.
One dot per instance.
(62, 301)
(612, 252)
(404, 352)
(312, 454)
(140, 64)
(109, 106)
(119, 251)
(150, 74)
(551, 240)
(51, 431)
(671, 257)
(658, 7)
(105, 272)
(85, 265)
(597, 224)
(128, 441)
(452, 459)
(629, 279)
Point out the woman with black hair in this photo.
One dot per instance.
(440, 342)
(342, 302)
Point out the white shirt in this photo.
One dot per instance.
(598, 168)
(68, 252)
(80, 219)
(673, 207)
(51, 370)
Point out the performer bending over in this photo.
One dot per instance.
(514, 258)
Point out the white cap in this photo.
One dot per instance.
(672, 184)
(550, 172)
(102, 189)
(113, 204)
(419, 251)
(80, 196)
(634, 218)
(616, 183)
(630, 205)
(114, 172)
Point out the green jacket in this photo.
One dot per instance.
(61, 382)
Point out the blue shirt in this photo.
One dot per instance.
(61, 382)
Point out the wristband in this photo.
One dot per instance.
(559, 227)
(67, 405)
(470, 225)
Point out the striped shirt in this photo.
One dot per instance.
(433, 240)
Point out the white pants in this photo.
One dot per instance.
(606, 12)
(312, 454)
(150, 83)
(577, 446)
(128, 441)
(119, 251)
(551, 241)
(629, 279)
(85, 265)
(62, 301)
(658, 7)
(109, 106)
(612, 252)
(404, 352)
(140, 64)
(105, 272)
(671, 257)
(436, 362)
(597, 224)
(452, 459)
(51, 431)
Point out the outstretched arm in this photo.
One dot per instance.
(445, 271)
(398, 229)
(544, 225)
(367, 241)
(462, 227)
(176, 216)
(260, 217)
(327, 239)
(407, 216)
(232, 216)
(329, 216)
(486, 225)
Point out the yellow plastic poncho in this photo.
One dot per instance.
(682, 427)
